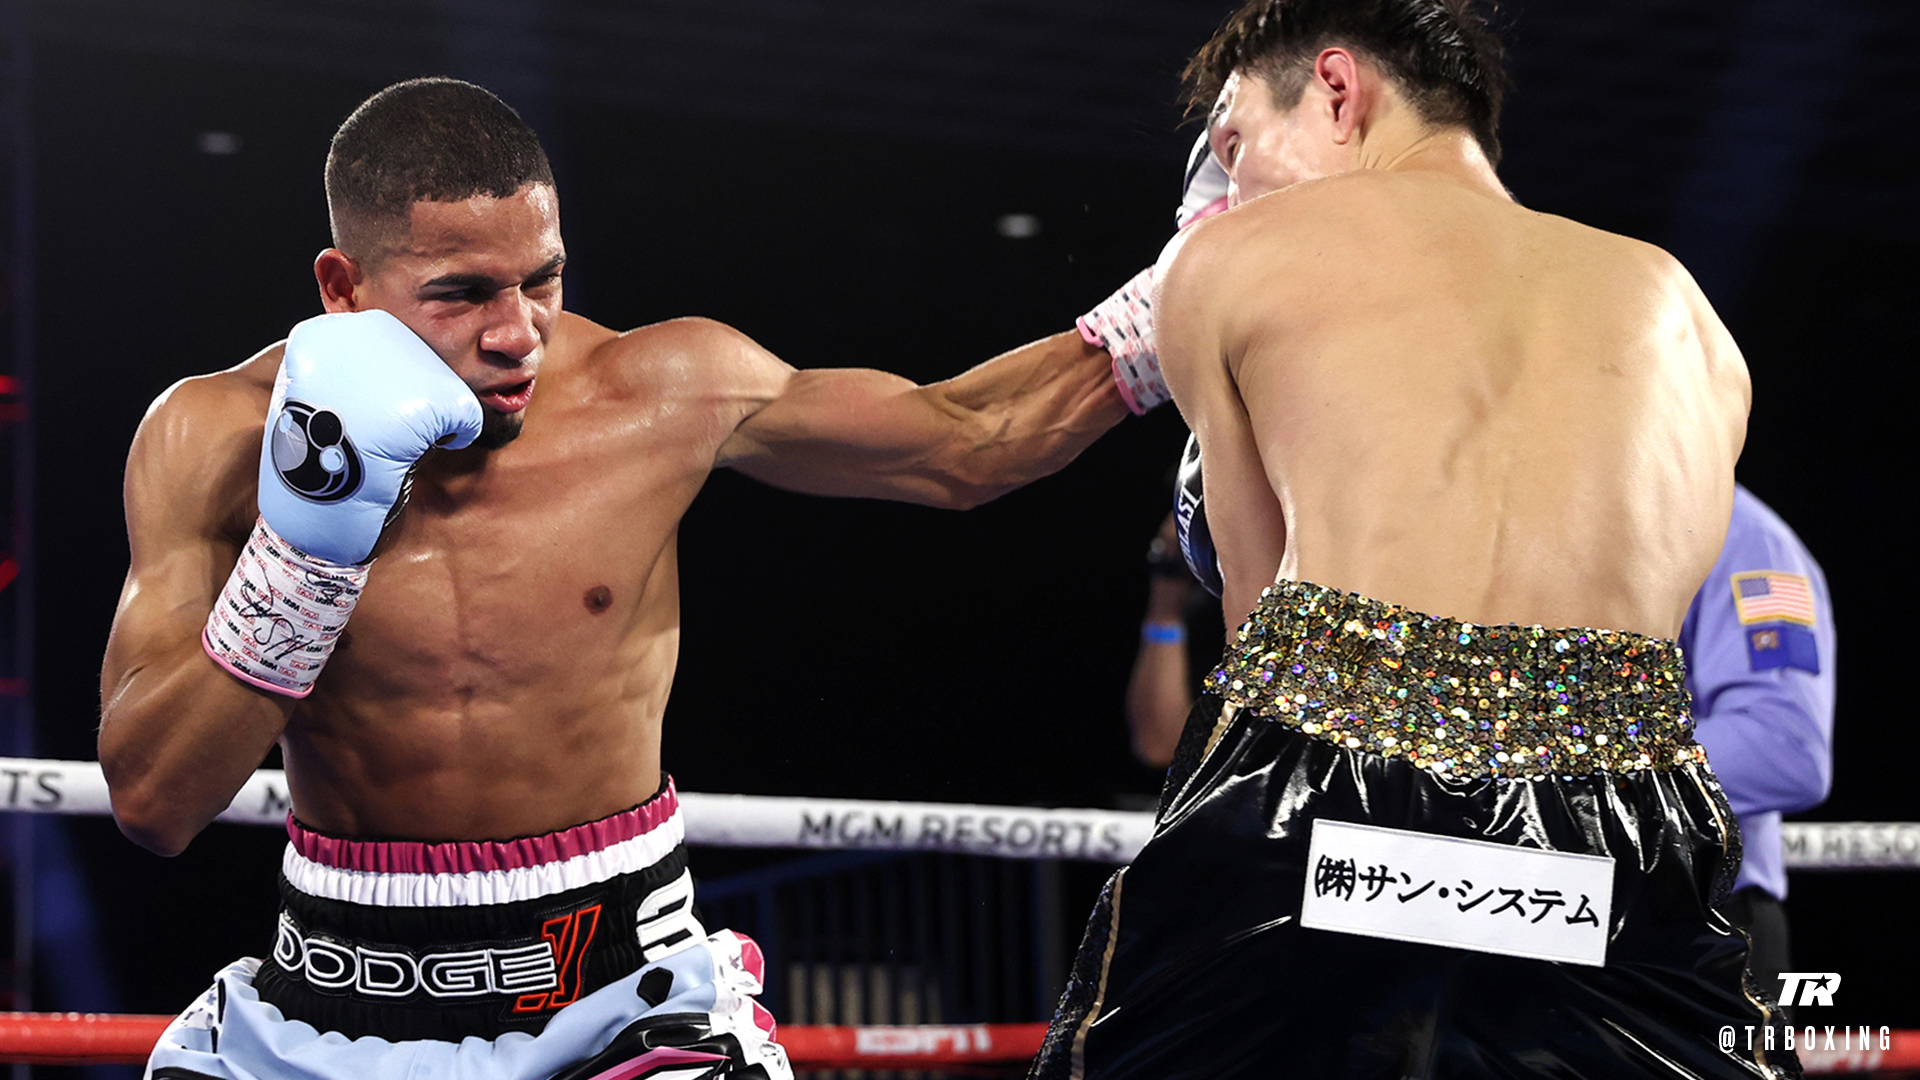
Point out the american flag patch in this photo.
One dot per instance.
(1771, 596)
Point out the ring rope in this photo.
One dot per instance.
(100, 1039)
(37, 786)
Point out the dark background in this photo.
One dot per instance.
(827, 176)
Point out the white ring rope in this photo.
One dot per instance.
(1018, 832)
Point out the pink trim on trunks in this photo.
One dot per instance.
(468, 856)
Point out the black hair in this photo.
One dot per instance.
(1444, 54)
(440, 140)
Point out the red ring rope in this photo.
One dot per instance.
(98, 1039)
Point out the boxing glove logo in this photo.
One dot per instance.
(313, 455)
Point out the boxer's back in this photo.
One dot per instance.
(1430, 395)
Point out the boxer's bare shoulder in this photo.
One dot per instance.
(699, 358)
(195, 456)
(1358, 343)
(1380, 249)
(699, 375)
(238, 393)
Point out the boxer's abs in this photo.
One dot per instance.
(481, 769)
(505, 673)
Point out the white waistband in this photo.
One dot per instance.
(481, 887)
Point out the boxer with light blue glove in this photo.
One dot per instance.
(358, 401)
(512, 739)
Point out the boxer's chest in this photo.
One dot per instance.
(547, 563)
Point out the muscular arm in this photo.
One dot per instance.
(178, 736)
(957, 443)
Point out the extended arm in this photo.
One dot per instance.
(957, 443)
(178, 735)
(961, 442)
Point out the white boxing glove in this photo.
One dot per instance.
(1205, 192)
(1122, 324)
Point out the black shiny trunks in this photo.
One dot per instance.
(1330, 706)
(407, 940)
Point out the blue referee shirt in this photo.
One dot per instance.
(1759, 646)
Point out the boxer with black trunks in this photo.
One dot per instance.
(485, 877)
(1397, 844)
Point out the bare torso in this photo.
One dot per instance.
(506, 671)
(1415, 389)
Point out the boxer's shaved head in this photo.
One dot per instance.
(440, 140)
(1442, 53)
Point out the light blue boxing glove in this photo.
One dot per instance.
(358, 401)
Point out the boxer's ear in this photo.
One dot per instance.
(1348, 91)
(339, 278)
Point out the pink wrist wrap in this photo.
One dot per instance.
(1122, 324)
(276, 622)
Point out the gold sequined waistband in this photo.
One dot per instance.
(1458, 698)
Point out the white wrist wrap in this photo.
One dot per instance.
(1122, 324)
(277, 620)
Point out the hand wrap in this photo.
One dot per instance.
(1122, 324)
(277, 620)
